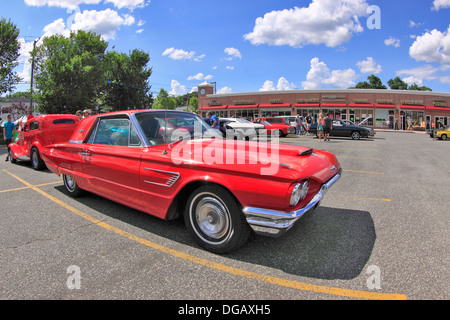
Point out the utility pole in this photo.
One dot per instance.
(32, 75)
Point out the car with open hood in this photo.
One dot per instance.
(224, 189)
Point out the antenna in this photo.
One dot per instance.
(165, 129)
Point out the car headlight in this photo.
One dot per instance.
(299, 193)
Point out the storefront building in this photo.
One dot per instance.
(386, 109)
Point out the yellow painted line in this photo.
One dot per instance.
(359, 158)
(221, 267)
(359, 198)
(369, 172)
(23, 188)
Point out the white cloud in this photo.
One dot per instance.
(369, 66)
(268, 86)
(433, 46)
(328, 22)
(392, 42)
(68, 4)
(320, 76)
(200, 76)
(225, 90)
(180, 54)
(233, 52)
(283, 85)
(229, 67)
(440, 4)
(177, 89)
(129, 4)
(105, 22)
(425, 72)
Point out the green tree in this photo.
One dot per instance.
(164, 101)
(397, 84)
(9, 53)
(374, 83)
(193, 104)
(69, 72)
(126, 85)
(417, 88)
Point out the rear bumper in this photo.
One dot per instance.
(274, 223)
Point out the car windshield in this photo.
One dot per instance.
(242, 121)
(161, 127)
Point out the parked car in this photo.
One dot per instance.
(219, 186)
(439, 126)
(278, 125)
(39, 132)
(351, 123)
(238, 128)
(341, 129)
(442, 134)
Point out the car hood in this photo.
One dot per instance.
(281, 162)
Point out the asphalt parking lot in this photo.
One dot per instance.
(382, 232)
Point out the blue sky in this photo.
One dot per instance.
(257, 45)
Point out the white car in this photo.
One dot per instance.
(239, 128)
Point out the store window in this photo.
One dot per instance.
(275, 112)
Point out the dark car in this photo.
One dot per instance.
(341, 129)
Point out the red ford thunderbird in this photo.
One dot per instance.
(224, 189)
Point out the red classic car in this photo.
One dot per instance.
(39, 132)
(276, 125)
(224, 189)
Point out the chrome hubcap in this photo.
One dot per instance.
(70, 183)
(212, 218)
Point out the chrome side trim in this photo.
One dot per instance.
(276, 223)
(174, 176)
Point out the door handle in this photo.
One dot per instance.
(86, 153)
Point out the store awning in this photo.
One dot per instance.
(213, 108)
(360, 105)
(246, 106)
(433, 108)
(307, 105)
(277, 105)
(386, 106)
(407, 107)
(338, 105)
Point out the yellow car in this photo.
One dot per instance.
(442, 134)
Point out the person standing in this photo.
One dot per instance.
(308, 122)
(328, 125)
(8, 132)
(298, 125)
(214, 121)
(320, 124)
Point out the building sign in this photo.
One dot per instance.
(440, 103)
(243, 102)
(314, 100)
(332, 97)
(385, 101)
(413, 102)
(361, 101)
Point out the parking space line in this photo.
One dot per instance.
(221, 267)
(369, 172)
(359, 198)
(359, 158)
(23, 188)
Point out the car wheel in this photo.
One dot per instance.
(355, 135)
(215, 221)
(72, 187)
(11, 158)
(36, 162)
(444, 137)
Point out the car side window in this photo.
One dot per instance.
(337, 123)
(34, 125)
(114, 132)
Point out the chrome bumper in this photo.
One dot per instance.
(276, 223)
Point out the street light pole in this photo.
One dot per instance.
(32, 75)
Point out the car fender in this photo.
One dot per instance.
(18, 151)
